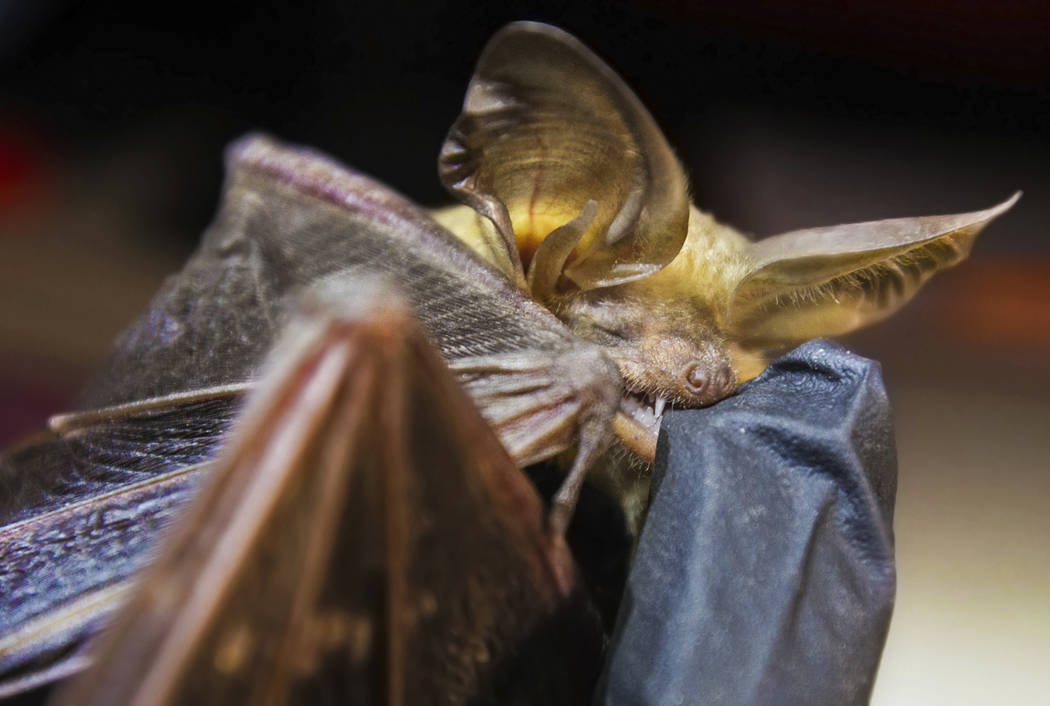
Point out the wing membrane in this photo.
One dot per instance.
(366, 540)
(291, 221)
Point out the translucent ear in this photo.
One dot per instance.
(827, 281)
(547, 127)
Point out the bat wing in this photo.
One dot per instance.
(81, 513)
(365, 539)
(291, 221)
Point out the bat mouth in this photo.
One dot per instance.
(637, 422)
(643, 408)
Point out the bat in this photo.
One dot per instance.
(575, 294)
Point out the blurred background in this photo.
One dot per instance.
(113, 117)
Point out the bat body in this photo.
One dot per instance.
(575, 294)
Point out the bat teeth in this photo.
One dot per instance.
(658, 406)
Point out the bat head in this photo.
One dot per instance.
(666, 349)
(577, 197)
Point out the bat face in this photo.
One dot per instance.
(580, 200)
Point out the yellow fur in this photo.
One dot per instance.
(466, 224)
(712, 260)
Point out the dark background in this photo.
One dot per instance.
(377, 84)
(113, 117)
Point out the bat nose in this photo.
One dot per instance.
(707, 385)
(696, 378)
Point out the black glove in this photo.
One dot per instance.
(764, 573)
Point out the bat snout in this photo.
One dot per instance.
(703, 383)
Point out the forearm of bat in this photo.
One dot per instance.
(365, 536)
(541, 403)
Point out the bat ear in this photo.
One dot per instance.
(546, 129)
(827, 281)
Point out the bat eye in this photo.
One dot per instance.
(612, 333)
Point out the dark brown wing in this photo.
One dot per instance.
(290, 218)
(82, 513)
(365, 540)
(291, 221)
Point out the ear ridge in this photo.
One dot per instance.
(457, 167)
(549, 261)
(546, 127)
(828, 281)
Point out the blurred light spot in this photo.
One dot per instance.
(1000, 303)
(20, 170)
